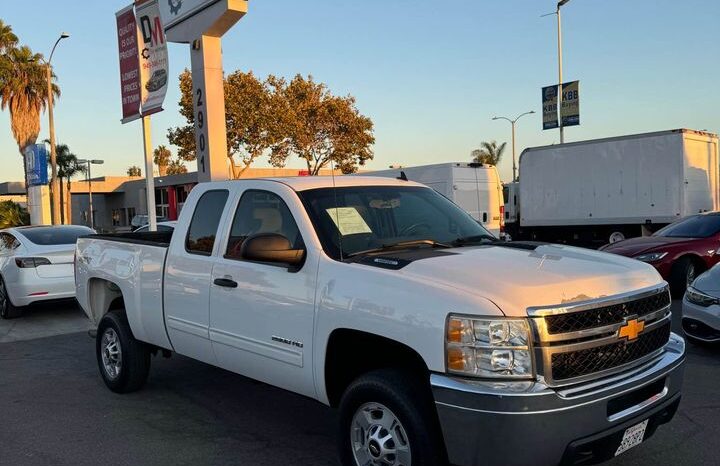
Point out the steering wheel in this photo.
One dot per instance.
(409, 230)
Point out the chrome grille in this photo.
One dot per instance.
(606, 315)
(581, 341)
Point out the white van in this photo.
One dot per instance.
(475, 187)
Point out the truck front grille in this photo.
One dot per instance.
(583, 341)
(579, 363)
(606, 315)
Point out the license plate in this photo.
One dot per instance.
(633, 436)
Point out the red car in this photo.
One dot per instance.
(680, 251)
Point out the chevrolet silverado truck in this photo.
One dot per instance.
(436, 342)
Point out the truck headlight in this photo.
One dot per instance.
(491, 348)
(651, 256)
(701, 299)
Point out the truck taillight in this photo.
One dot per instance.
(502, 219)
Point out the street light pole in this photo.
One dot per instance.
(512, 123)
(560, 69)
(54, 183)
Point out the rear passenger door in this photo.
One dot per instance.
(263, 326)
(188, 276)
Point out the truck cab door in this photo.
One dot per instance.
(188, 277)
(262, 314)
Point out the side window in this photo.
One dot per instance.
(7, 243)
(261, 212)
(205, 222)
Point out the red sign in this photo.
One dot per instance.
(304, 173)
(129, 64)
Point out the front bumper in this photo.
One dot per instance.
(701, 323)
(519, 423)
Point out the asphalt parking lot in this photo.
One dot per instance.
(55, 410)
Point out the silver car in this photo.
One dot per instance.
(701, 308)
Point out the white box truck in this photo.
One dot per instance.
(605, 190)
(474, 187)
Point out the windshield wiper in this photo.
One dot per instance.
(402, 245)
(475, 239)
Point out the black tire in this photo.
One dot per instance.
(7, 309)
(408, 400)
(134, 363)
(682, 273)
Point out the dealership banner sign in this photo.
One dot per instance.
(143, 59)
(36, 156)
(550, 107)
(570, 108)
(153, 56)
(129, 64)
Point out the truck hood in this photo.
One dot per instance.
(515, 279)
(634, 246)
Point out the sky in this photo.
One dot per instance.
(430, 74)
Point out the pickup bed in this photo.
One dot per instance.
(436, 342)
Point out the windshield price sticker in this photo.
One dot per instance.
(348, 221)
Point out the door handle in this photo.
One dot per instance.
(225, 282)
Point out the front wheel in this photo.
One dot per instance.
(124, 362)
(386, 420)
(682, 274)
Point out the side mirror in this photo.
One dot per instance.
(271, 247)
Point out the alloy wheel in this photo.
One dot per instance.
(378, 438)
(111, 353)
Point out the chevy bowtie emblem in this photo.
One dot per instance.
(631, 329)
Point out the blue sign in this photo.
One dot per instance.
(550, 107)
(36, 161)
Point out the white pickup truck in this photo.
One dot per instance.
(437, 343)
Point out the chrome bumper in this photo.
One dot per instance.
(518, 423)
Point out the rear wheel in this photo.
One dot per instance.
(386, 420)
(682, 274)
(124, 362)
(7, 310)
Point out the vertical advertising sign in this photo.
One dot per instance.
(129, 65)
(153, 57)
(570, 108)
(36, 156)
(550, 107)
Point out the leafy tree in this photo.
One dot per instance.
(489, 153)
(281, 119)
(252, 119)
(161, 157)
(321, 128)
(24, 93)
(134, 171)
(13, 214)
(176, 167)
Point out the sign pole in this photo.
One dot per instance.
(149, 178)
(560, 78)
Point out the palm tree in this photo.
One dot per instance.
(67, 168)
(13, 214)
(161, 157)
(134, 171)
(176, 167)
(8, 40)
(489, 153)
(24, 93)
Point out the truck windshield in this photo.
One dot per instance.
(351, 220)
(697, 226)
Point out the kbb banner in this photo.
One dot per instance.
(570, 108)
(550, 107)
